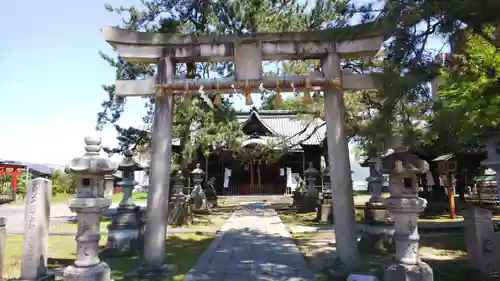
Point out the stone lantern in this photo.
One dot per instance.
(311, 174)
(198, 195)
(377, 228)
(375, 181)
(405, 205)
(124, 235)
(179, 208)
(325, 207)
(178, 184)
(310, 202)
(88, 206)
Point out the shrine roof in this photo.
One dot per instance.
(295, 129)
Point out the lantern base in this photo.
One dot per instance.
(405, 272)
(309, 204)
(98, 272)
(46, 277)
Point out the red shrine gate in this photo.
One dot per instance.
(8, 190)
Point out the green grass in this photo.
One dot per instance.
(182, 250)
(64, 198)
(215, 219)
(445, 252)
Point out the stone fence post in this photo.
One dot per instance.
(36, 230)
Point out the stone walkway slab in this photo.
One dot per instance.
(253, 245)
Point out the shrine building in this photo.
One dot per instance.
(298, 141)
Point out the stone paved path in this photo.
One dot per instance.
(253, 245)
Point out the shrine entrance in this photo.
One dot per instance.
(248, 52)
(8, 181)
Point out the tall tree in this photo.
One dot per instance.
(402, 104)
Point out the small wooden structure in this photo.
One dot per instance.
(447, 166)
(8, 191)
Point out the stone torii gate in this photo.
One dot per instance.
(247, 52)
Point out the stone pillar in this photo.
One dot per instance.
(311, 201)
(406, 206)
(198, 195)
(36, 230)
(3, 237)
(179, 208)
(124, 235)
(340, 170)
(153, 262)
(88, 206)
(479, 236)
(378, 228)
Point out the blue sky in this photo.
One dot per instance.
(51, 77)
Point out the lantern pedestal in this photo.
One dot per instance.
(408, 272)
(124, 235)
(308, 204)
(179, 210)
(377, 229)
(407, 265)
(98, 272)
(325, 208)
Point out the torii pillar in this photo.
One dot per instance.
(340, 169)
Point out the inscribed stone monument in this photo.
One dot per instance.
(36, 230)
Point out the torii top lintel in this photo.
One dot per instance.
(136, 46)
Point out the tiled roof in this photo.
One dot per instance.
(289, 126)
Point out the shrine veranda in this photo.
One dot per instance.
(247, 52)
